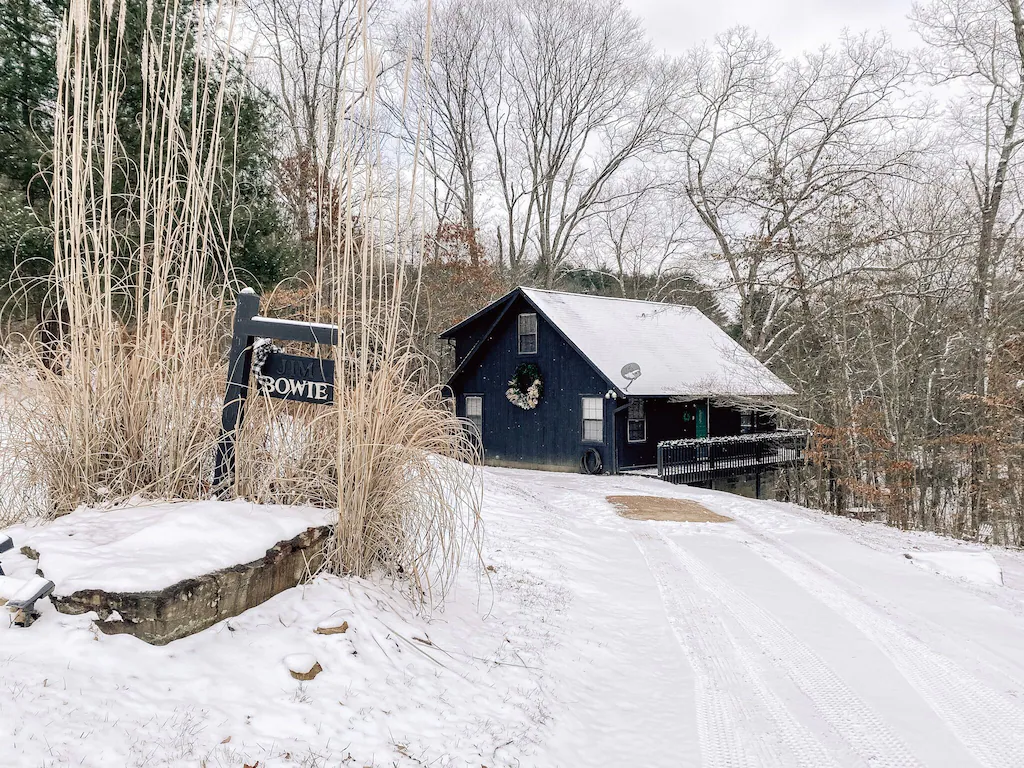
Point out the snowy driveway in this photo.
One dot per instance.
(782, 638)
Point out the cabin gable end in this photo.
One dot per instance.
(550, 436)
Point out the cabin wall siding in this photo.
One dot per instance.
(551, 435)
(723, 421)
(665, 421)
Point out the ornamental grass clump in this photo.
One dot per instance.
(119, 394)
(116, 395)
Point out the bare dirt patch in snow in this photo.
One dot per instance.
(657, 508)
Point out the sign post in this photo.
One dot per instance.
(286, 377)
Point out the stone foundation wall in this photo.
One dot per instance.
(193, 605)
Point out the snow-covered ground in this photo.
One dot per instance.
(782, 638)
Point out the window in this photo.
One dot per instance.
(593, 419)
(528, 334)
(475, 413)
(636, 430)
(746, 421)
(636, 421)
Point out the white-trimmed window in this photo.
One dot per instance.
(593, 419)
(475, 413)
(528, 333)
(636, 430)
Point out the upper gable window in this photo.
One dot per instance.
(528, 333)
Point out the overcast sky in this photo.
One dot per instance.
(793, 25)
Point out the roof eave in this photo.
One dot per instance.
(705, 394)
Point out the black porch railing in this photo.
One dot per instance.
(704, 459)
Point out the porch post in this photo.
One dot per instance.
(616, 409)
(615, 442)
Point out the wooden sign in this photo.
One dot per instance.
(288, 377)
(299, 379)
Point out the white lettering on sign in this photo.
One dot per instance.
(314, 390)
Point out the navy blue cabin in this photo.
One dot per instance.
(615, 379)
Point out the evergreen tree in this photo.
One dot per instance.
(28, 36)
(258, 238)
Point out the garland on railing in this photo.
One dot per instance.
(780, 434)
(525, 387)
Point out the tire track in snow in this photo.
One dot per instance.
(987, 723)
(994, 660)
(845, 712)
(723, 672)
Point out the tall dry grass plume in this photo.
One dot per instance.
(125, 399)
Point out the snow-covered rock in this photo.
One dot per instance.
(302, 666)
(332, 627)
(193, 604)
(150, 547)
(8, 587)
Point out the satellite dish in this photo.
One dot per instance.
(630, 372)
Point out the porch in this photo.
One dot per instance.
(701, 461)
(643, 424)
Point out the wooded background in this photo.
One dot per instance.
(851, 215)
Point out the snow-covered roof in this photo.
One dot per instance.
(680, 351)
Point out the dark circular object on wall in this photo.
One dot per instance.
(591, 462)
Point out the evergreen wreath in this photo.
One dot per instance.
(525, 387)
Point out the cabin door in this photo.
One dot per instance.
(687, 415)
(702, 419)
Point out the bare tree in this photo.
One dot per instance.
(980, 47)
(443, 114)
(571, 94)
(646, 233)
(771, 148)
(314, 63)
